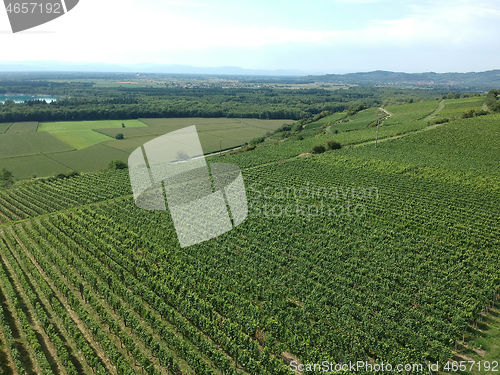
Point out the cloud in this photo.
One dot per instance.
(198, 32)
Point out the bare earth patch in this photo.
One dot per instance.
(288, 358)
(480, 352)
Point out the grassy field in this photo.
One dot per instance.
(38, 165)
(90, 159)
(45, 142)
(18, 127)
(80, 139)
(81, 134)
(4, 126)
(232, 132)
(13, 145)
(87, 125)
(214, 123)
(127, 132)
(30, 143)
(90, 145)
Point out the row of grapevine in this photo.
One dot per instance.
(62, 318)
(28, 334)
(41, 197)
(175, 318)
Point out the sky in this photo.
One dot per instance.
(313, 36)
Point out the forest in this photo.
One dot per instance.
(84, 100)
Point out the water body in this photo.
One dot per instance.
(23, 98)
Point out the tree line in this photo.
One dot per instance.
(83, 101)
(492, 100)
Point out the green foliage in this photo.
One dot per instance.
(333, 145)
(492, 100)
(72, 173)
(452, 95)
(117, 164)
(92, 272)
(6, 178)
(248, 147)
(441, 120)
(257, 140)
(318, 149)
(88, 101)
(119, 136)
(62, 176)
(473, 113)
(353, 109)
(276, 280)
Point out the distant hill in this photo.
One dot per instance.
(471, 80)
(474, 80)
(60, 66)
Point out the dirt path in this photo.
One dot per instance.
(436, 111)
(389, 114)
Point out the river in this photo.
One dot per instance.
(23, 98)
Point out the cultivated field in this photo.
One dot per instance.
(89, 146)
(81, 134)
(18, 127)
(455, 108)
(4, 126)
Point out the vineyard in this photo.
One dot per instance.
(408, 273)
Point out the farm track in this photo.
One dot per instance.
(389, 114)
(436, 111)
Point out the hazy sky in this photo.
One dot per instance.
(328, 36)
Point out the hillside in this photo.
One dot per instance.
(472, 80)
(386, 254)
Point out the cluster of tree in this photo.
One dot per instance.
(473, 113)
(6, 178)
(60, 176)
(441, 120)
(451, 95)
(330, 145)
(492, 100)
(117, 164)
